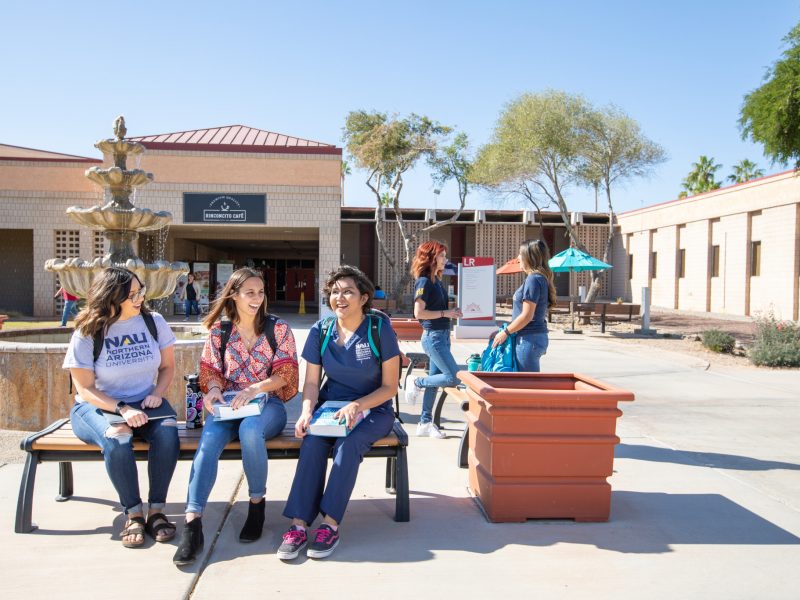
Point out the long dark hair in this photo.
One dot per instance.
(535, 256)
(425, 259)
(363, 283)
(104, 302)
(226, 302)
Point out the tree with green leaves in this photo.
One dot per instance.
(345, 171)
(770, 114)
(387, 147)
(745, 170)
(613, 149)
(701, 178)
(544, 143)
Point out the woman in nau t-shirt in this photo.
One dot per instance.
(132, 372)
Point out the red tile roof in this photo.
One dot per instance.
(234, 138)
(9, 152)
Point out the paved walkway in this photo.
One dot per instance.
(706, 504)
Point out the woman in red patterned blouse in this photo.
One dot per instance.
(250, 368)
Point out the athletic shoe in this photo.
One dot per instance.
(323, 542)
(413, 394)
(294, 540)
(429, 430)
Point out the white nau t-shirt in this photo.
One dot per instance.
(128, 364)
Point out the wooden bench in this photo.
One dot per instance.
(607, 311)
(57, 443)
(561, 307)
(3, 319)
(386, 305)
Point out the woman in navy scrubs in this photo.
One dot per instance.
(354, 374)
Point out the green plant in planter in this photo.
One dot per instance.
(777, 343)
(718, 341)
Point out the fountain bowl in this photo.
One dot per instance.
(109, 217)
(76, 274)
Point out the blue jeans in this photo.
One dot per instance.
(70, 309)
(529, 349)
(252, 433)
(89, 425)
(188, 305)
(442, 370)
(307, 498)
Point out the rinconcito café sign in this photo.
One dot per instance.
(224, 208)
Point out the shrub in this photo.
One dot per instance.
(777, 343)
(718, 341)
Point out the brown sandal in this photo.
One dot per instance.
(159, 528)
(133, 527)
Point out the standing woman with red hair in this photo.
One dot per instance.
(431, 309)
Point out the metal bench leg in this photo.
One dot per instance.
(401, 507)
(463, 449)
(437, 412)
(25, 501)
(391, 480)
(64, 481)
(411, 363)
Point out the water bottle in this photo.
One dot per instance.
(194, 402)
(474, 362)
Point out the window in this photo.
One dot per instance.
(755, 259)
(681, 263)
(630, 266)
(715, 261)
(653, 265)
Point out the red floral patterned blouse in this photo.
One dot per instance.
(244, 367)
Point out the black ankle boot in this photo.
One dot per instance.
(254, 524)
(191, 543)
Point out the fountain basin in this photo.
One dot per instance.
(34, 389)
(110, 217)
(76, 274)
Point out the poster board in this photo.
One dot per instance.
(202, 276)
(224, 272)
(476, 297)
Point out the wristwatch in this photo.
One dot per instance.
(120, 405)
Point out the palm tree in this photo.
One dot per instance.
(345, 172)
(701, 178)
(745, 170)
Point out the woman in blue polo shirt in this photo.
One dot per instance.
(356, 375)
(530, 303)
(431, 309)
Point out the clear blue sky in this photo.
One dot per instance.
(680, 68)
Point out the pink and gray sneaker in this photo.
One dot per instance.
(323, 542)
(294, 540)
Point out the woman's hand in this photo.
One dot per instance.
(213, 396)
(454, 313)
(499, 338)
(133, 416)
(349, 412)
(301, 427)
(152, 401)
(243, 397)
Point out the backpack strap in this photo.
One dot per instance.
(269, 330)
(325, 333)
(227, 327)
(374, 336)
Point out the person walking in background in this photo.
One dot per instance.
(431, 309)
(530, 303)
(70, 305)
(127, 374)
(249, 366)
(189, 294)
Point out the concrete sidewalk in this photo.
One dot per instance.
(706, 503)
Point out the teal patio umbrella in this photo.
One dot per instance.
(570, 260)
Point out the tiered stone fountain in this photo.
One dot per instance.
(121, 222)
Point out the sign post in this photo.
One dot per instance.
(476, 298)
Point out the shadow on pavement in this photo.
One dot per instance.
(700, 459)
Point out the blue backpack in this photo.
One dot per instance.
(502, 359)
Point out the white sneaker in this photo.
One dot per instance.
(413, 394)
(429, 430)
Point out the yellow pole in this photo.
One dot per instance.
(302, 310)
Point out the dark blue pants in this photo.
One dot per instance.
(309, 495)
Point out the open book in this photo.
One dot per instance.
(224, 412)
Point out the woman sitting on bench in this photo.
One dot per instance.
(360, 370)
(250, 365)
(117, 352)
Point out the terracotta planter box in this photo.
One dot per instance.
(541, 445)
(407, 329)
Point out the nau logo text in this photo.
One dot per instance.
(125, 340)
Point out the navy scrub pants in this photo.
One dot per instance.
(309, 495)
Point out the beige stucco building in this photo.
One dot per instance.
(734, 250)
